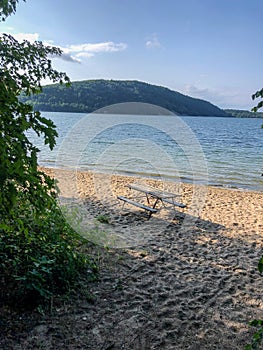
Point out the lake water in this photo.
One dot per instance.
(224, 152)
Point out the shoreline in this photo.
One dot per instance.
(148, 177)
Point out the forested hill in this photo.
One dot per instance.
(90, 95)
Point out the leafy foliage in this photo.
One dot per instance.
(38, 256)
(260, 265)
(7, 7)
(258, 336)
(39, 253)
(23, 66)
(260, 104)
(88, 96)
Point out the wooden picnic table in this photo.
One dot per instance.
(153, 196)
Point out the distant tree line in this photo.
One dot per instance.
(243, 114)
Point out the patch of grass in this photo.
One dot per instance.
(104, 219)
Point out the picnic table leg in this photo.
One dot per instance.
(154, 205)
(148, 201)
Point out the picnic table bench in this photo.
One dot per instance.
(158, 196)
(140, 205)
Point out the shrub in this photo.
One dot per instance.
(40, 254)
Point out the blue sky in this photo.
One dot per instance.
(209, 49)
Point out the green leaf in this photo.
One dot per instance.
(256, 323)
(260, 265)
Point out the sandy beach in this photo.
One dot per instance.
(184, 279)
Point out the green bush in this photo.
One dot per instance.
(39, 252)
(258, 336)
(40, 255)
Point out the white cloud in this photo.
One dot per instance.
(74, 53)
(96, 48)
(85, 54)
(68, 58)
(199, 92)
(31, 37)
(153, 42)
(49, 42)
(228, 97)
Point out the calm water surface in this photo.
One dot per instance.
(219, 151)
